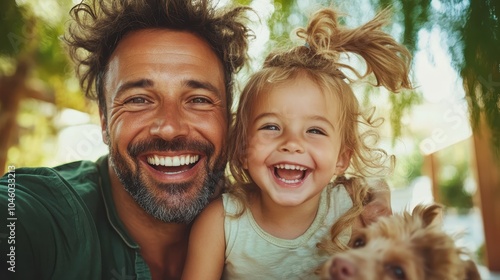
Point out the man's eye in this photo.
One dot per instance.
(137, 100)
(200, 100)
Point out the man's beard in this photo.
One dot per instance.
(174, 209)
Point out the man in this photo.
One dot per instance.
(162, 73)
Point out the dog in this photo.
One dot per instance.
(402, 247)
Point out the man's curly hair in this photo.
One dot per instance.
(99, 25)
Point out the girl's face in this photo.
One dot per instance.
(294, 141)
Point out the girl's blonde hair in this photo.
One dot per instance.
(318, 59)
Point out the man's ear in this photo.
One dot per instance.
(343, 161)
(104, 127)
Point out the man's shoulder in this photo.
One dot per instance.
(63, 182)
(53, 212)
(44, 171)
(78, 172)
(68, 192)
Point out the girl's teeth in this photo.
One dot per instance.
(289, 181)
(290, 167)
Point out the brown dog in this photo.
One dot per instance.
(402, 246)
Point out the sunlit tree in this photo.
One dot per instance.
(36, 79)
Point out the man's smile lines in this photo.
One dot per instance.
(173, 161)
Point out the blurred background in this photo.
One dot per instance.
(445, 133)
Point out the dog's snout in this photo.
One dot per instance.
(342, 269)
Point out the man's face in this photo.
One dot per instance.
(166, 121)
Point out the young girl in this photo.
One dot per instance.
(295, 134)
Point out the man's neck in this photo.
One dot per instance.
(163, 245)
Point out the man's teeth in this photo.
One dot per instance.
(290, 167)
(173, 161)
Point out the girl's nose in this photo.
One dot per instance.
(292, 143)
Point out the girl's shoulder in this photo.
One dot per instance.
(339, 193)
(339, 187)
(213, 210)
(233, 205)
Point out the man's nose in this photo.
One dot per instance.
(170, 122)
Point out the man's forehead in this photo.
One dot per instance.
(160, 41)
(145, 53)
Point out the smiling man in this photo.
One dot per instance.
(165, 122)
(162, 74)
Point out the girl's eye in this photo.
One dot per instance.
(270, 127)
(137, 100)
(316, 131)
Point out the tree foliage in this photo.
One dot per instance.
(480, 67)
(472, 33)
(35, 75)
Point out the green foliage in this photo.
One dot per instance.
(415, 17)
(481, 68)
(452, 189)
(13, 31)
(412, 16)
(408, 168)
(29, 34)
(453, 172)
(24, 33)
(50, 53)
(38, 134)
(279, 21)
(481, 254)
(402, 103)
(473, 29)
(287, 16)
(243, 2)
(33, 36)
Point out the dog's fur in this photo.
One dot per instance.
(403, 246)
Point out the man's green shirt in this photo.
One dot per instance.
(61, 223)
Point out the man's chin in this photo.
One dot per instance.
(171, 203)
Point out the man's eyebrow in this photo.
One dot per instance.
(142, 83)
(196, 84)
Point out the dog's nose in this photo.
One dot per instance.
(342, 269)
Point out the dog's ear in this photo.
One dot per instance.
(471, 271)
(430, 214)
